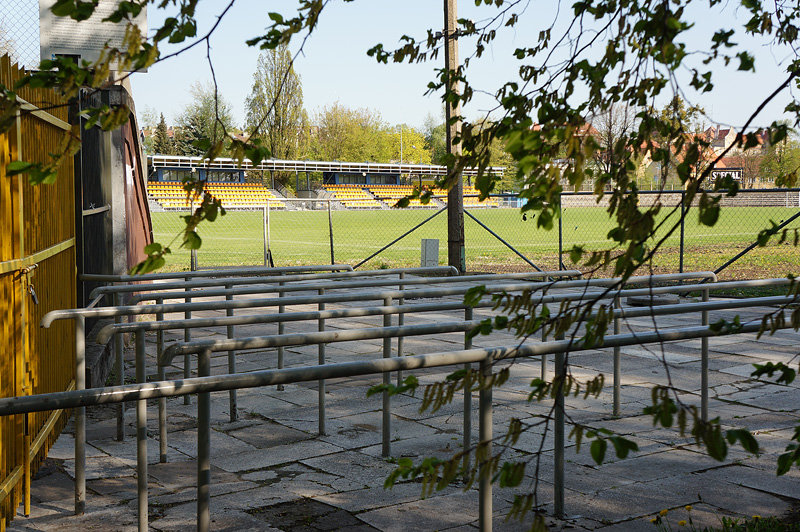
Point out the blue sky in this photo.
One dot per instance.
(334, 65)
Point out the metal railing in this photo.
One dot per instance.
(384, 295)
(117, 312)
(204, 385)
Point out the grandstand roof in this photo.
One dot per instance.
(175, 161)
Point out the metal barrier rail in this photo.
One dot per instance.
(108, 312)
(223, 272)
(341, 285)
(204, 385)
(185, 276)
(117, 290)
(321, 316)
(81, 314)
(221, 281)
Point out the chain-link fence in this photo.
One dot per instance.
(19, 31)
(498, 238)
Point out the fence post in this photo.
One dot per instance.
(231, 360)
(266, 234)
(281, 310)
(203, 446)
(330, 230)
(485, 440)
(187, 337)
(467, 396)
(119, 368)
(387, 404)
(400, 322)
(558, 432)
(683, 217)
(141, 434)
(162, 401)
(560, 233)
(617, 376)
(321, 361)
(80, 416)
(704, 366)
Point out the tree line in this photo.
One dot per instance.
(277, 120)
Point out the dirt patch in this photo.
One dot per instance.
(307, 515)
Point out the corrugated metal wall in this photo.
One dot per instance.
(37, 253)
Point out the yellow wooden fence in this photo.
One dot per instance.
(37, 256)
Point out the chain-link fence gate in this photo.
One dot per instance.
(19, 31)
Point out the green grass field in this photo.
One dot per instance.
(301, 237)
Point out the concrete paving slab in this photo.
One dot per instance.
(434, 513)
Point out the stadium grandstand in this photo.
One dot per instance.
(353, 185)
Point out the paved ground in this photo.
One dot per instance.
(272, 471)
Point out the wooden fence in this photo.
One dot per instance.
(37, 275)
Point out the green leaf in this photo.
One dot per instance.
(598, 450)
(745, 437)
(150, 249)
(192, 240)
(623, 446)
(18, 167)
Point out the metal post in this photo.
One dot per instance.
(467, 436)
(560, 235)
(119, 369)
(281, 310)
(269, 228)
(400, 321)
(617, 376)
(266, 239)
(683, 217)
(231, 361)
(485, 437)
(330, 230)
(141, 433)
(162, 401)
(203, 446)
(80, 416)
(387, 415)
(321, 361)
(187, 337)
(558, 432)
(26, 451)
(704, 366)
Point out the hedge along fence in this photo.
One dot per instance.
(37, 275)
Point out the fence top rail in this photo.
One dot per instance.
(105, 333)
(107, 312)
(221, 281)
(223, 272)
(371, 333)
(341, 285)
(678, 191)
(255, 379)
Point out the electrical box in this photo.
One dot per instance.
(430, 252)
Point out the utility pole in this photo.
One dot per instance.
(455, 197)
